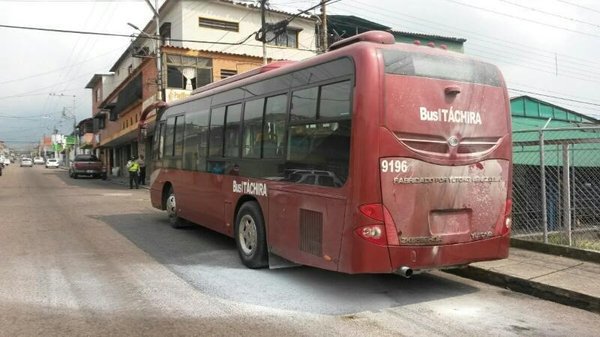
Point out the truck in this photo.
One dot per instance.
(87, 165)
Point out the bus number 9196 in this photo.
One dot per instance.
(394, 166)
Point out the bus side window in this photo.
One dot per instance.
(196, 129)
(215, 142)
(299, 143)
(159, 142)
(335, 100)
(179, 135)
(252, 134)
(169, 136)
(304, 104)
(274, 126)
(232, 130)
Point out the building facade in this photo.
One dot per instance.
(200, 42)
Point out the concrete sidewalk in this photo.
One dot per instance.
(570, 281)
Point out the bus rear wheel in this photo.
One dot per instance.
(171, 205)
(250, 236)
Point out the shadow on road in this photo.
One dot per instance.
(209, 261)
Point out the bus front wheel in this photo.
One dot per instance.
(171, 205)
(250, 236)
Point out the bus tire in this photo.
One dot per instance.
(250, 236)
(171, 205)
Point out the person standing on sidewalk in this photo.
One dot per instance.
(142, 164)
(134, 170)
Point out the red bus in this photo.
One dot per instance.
(374, 157)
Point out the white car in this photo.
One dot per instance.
(52, 163)
(26, 162)
(38, 160)
(6, 161)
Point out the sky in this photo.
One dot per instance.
(545, 48)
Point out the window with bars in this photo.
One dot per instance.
(288, 39)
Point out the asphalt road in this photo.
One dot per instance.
(89, 257)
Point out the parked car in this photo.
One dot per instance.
(6, 161)
(52, 163)
(87, 164)
(26, 162)
(38, 161)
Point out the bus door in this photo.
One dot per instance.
(445, 151)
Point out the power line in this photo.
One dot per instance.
(553, 92)
(578, 6)
(56, 69)
(435, 25)
(556, 97)
(522, 19)
(585, 72)
(112, 34)
(549, 13)
(498, 59)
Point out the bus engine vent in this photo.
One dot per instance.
(311, 232)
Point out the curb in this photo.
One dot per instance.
(547, 248)
(528, 287)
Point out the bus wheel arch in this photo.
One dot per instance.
(170, 205)
(165, 194)
(250, 233)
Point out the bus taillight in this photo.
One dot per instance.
(373, 211)
(507, 217)
(372, 233)
(377, 233)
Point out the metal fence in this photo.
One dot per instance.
(556, 186)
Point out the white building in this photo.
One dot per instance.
(202, 42)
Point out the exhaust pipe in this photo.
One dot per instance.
(405, 271)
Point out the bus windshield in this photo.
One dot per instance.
(440, 67)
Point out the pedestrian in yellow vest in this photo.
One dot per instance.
(134, 170)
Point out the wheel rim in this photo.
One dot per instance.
(247, 234)
(171, 206)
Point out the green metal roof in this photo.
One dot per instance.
(526, 106)
(530, 115)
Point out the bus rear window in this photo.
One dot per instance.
(440, 67)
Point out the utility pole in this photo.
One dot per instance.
(324, 26)
(75, 133)
(263, 29)
(157, 46)
(158, 53)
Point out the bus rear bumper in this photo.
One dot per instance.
(448, 256)
(367, 257)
